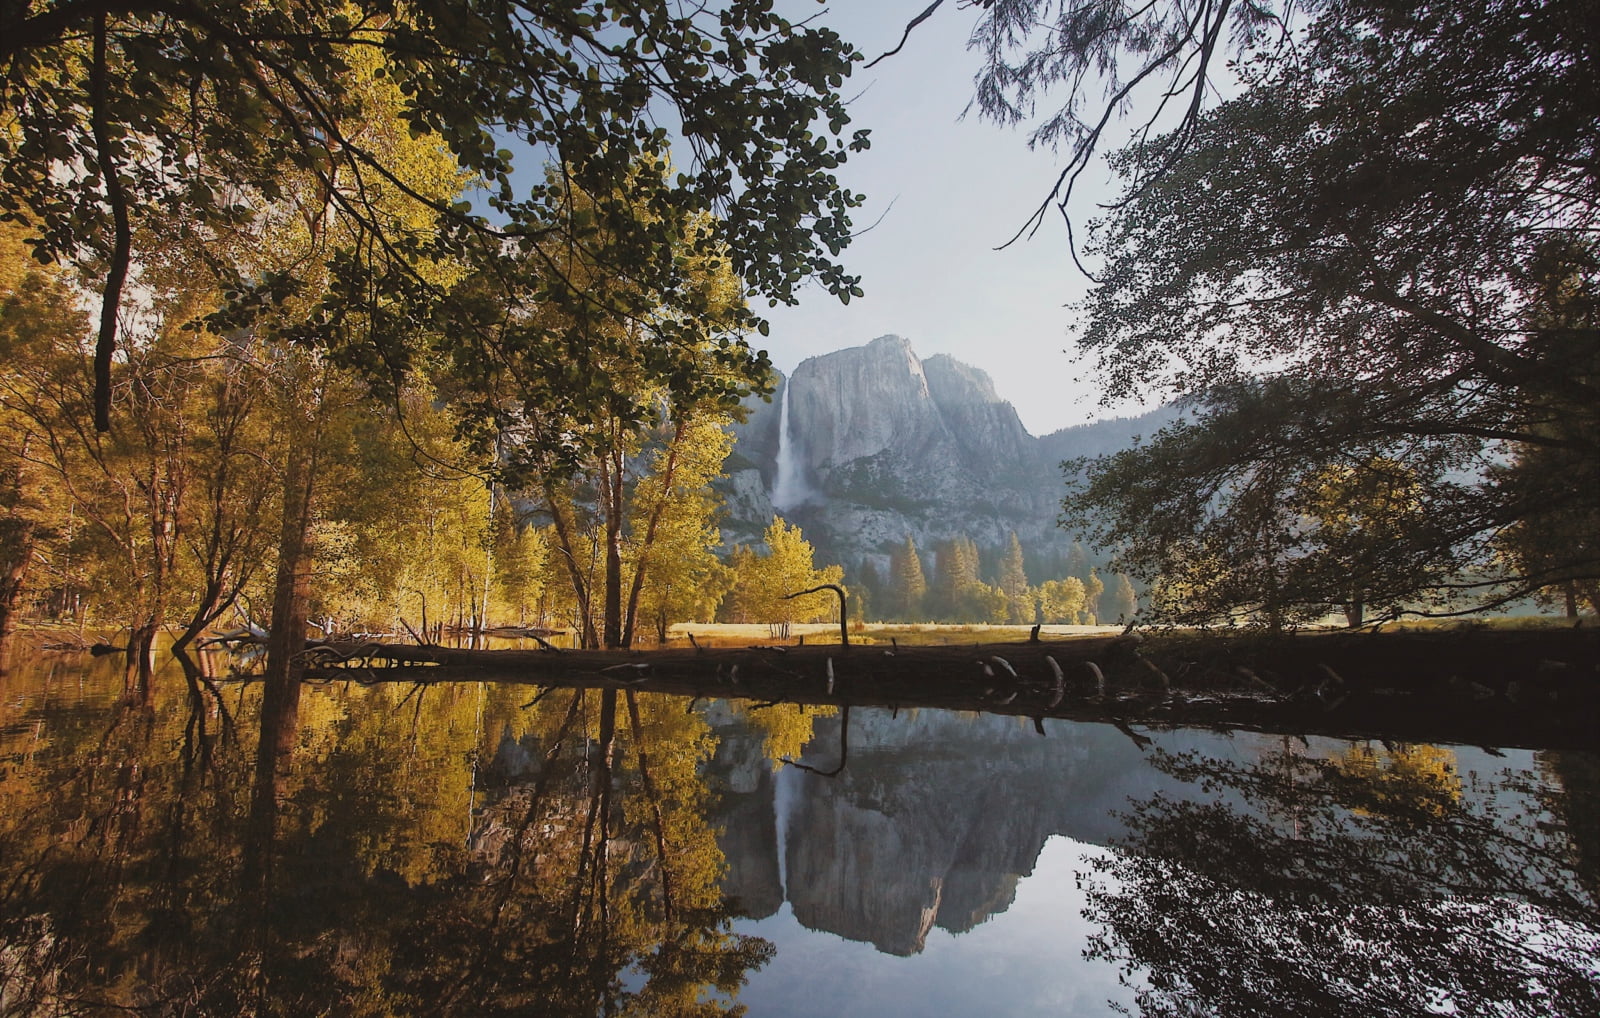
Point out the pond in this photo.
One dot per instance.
(496, 848)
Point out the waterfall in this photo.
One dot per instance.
(788, 489)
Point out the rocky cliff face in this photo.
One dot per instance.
(884, 444)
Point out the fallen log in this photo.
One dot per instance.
(1543, 688)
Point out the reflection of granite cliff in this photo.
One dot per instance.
(933, 821)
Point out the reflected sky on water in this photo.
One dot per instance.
(500, 849)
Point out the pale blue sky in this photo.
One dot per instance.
(959, 187)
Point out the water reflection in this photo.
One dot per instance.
(1368, 882)
(368, 870)
(494, 849)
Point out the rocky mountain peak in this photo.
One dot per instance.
(855, 403)
(951, 382)
(887, 445)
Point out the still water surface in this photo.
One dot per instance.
(488, 849)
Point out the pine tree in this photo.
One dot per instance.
(955, 568)
(911, 586)
(1014, 584)
(870, 588)
(1078, 561)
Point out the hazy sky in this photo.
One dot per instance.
(959, 188)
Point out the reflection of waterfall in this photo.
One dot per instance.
(783, 795)
(788, 490)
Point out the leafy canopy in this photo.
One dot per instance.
(1375, 266)
(113, 112)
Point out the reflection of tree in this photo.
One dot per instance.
(785, 727)
(1576, 776)
(1349, 886)
(145, 872)
(601, 867)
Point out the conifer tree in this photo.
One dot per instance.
(869, 588)
(955, 569)
(910, 584)
(1014, 584)
(1078, 561)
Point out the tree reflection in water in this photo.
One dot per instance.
(172, 862)
(1359, 884)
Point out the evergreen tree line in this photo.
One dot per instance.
(957, 586)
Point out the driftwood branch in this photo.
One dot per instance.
(844, 611)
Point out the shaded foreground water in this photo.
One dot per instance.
(486, 849)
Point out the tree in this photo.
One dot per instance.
(676, 574)
(910, 583)
(172, 514)
(1014, 584)
(1348, 265)
(1356, 514)
(1078, 561)
(679, 370)
(404, 531)
(1060, 601)
(1555, 549)
(985, 604)
(1124, 600)
(1093, 587)
(867, 592)
(121, 112)
(518, 563)
(634, 539)
(955, 568)
(762, 581)
(37, 309)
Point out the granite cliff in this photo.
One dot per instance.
(879, 444)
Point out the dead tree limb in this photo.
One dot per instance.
(844, 611)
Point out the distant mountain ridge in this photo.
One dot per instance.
(882, 444)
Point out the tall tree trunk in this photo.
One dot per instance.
(580, 589)
(165, 497)
(141, 660)
(647, 542)
(18, 535)
(287, 639)
(488, 552)
(1355, 613)
(611, 484)
(18, 542)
